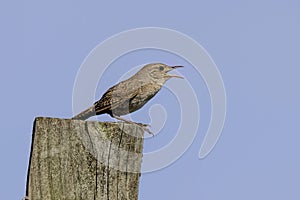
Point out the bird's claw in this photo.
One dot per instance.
(144, 125)
(148, 131)
(145, 128)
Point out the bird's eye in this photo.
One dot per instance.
(161, 68)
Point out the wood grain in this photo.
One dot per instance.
(74, 159)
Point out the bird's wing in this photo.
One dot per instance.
(116, 96)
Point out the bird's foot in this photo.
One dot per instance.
(141, 125)
(144, 125)
(145, 128)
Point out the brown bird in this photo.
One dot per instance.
(131, 94)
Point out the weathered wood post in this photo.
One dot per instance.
(73, 159)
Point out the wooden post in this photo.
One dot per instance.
(74, 159)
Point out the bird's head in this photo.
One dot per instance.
(158, 72)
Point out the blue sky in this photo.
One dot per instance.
(255, 45)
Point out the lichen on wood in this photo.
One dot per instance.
(74, 159)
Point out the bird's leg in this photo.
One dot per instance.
(143, 126)
(130, 122)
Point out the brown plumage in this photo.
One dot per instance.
(131, 94)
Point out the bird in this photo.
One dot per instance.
(132, 94)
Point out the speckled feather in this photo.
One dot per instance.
(131, 94)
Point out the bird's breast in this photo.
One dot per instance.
(143, 95)
(146, 93)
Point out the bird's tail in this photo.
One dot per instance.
(85, 114)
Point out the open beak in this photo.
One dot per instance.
(173, 75)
